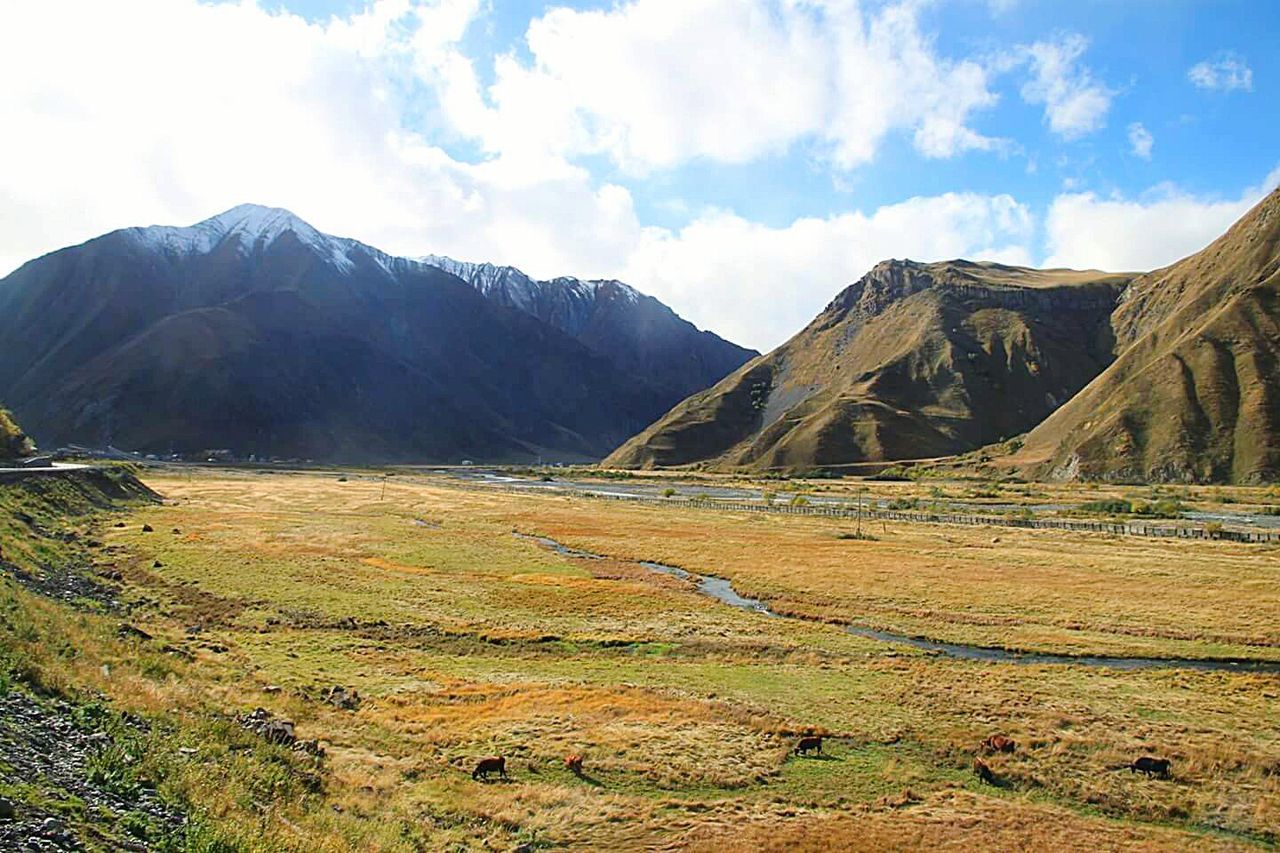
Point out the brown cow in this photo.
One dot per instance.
(983, 771)
(999, 743)
(495, 764)
(574, 763)
(1151, 766)
(808, 743)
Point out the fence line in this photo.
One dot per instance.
(1128, 528)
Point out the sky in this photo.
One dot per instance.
(741, 160)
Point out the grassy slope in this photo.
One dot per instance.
(1192, 395)
(466, 640)
(912, 361)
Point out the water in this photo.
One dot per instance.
(650, 490)
(722, 590)
(718, 588)
(558, 548)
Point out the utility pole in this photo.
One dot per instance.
(384, 487)
(861, 490)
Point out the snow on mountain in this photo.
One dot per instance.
(566, 301)
(638, 333)
(253, 227)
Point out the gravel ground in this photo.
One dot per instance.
(49, 747)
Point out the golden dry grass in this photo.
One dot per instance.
(465, 641)
(1024, 589)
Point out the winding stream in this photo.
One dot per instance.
(722, 590)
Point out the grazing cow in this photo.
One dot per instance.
(983, 771)
(574, 763)
(1151, 766)
(999, 743)
(496, 764)
(808, 743)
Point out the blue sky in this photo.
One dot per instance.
(740, 159)
(1141, 49)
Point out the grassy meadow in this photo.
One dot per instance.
(464, 640)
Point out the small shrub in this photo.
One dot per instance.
(668, 492)
(1108, 507)
(799, 500)
(14, 443)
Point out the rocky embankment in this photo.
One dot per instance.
(78, 759)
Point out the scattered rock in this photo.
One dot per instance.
(110, 574)
(263, 722)
(279, 731)
(119, 524)
(66, 582)
(177, 532)
(157, 565)
(126, 631)
(341, 697)
(46, 744)
(147, 528)
(271, 688)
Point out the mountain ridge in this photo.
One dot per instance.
(1194, 393)
(900, 364)
(253, 330)
(636, 332)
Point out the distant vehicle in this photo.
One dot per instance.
(37, 462)
(467, 462)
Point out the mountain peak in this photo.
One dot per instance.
(259, 221)
(249, 225)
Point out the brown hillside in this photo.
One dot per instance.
(1194, 394)
(913, 360)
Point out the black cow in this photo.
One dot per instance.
(808, 743)
(1151, 766)
(496, 764)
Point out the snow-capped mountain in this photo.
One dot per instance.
(256, 332)
(636, 332)
(249, 228)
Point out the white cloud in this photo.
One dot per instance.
(171, 110)
(1227, 74)
(1084, 230)
(1074, 103)
(655, 83)
(1140, 140)
(760, 285)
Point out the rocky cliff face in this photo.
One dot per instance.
(911, 361)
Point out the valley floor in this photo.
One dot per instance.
(260, 589)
